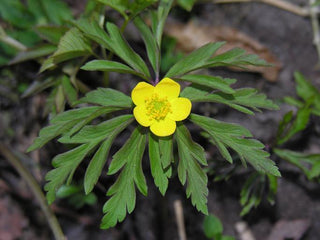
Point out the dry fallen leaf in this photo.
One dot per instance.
(191, 36)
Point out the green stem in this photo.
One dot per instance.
(10, 41)
(34, 186)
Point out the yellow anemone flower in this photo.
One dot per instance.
(159, 107)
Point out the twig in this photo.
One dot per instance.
(25, 174)
(180, 219)
(315, 26)
(301, 11)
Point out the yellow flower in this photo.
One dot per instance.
(159, 107)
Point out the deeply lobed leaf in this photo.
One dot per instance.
(73, 44)
(194, 60)
(225, 135)
(152, 48)
(61, 124)
(235, 57)
(120, 46)
(122, 192)
(93, 31)
(242, 99)
(300, 159)
(66, 163)
(159, 173)
(107, 97)
(189, 170)
(213, 82)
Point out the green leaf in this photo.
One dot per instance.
(304, 88)
(169, 54)
(252, 192)
(153, 50)
(47, 64)
(119, 5)
(219, 83)
(138, 6)
(231, 136)
(156, 165)
(308, 92)
(74, 114)
(120, 47)
(122, 192)
(194, 148)
(65, 164)
(15, 13)
(69, 91)
(165, 145)
(36, 9)
(113, 127)
(73, 44)
(189, 169)
(75, 196)
(33, 53)
(212, 226)
(107, 97)
(93, 31)
(38, 86)
(66, 191)
(283, 124)
(81, 124)
(292, 101)
(241, 100)
(109, 66)
(67, 123)
(299, 124)
(97, 132)
(57, 11)
(315, 170)
(23, 38)
(51, 33)
(128, 9)
(159, 19)
(48, 133)
(59, 100)
(273, 188)
(235, 57)
(194, 60)
(187, 4)
(247, 188)
(300, 160)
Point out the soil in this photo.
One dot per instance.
(289, 37)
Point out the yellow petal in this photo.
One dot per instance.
(168, 88)
(140, 114)
(163, 128)
(181, 108)
(141, 91)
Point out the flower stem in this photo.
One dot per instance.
(34, 186)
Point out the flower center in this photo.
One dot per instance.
(157, 108)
